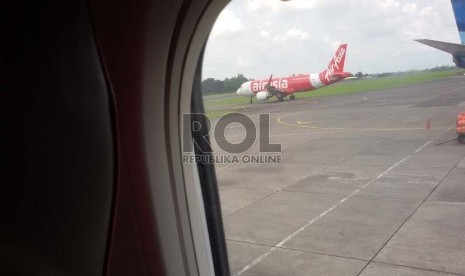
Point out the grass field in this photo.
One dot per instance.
(217, 106)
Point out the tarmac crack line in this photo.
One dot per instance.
(415, 210)
(301, 229)
(304, 177)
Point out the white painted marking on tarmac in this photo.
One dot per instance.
(281, 243)
(430, 141)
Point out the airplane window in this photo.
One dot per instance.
(334, 133)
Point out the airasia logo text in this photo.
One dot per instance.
(335, 64)
(257, 86)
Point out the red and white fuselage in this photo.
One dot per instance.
(285, 86)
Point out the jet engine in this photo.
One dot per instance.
(263, 96)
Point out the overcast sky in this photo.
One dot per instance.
(262, 37)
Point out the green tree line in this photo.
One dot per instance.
(214, 86)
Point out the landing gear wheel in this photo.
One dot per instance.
(280, 99)
(292, 97)
(461, 138)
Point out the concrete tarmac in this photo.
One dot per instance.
(364, 187)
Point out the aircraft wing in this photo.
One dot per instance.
(272, 90)
(276, 92)
(452, 48)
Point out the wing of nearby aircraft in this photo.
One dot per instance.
(451, 48)
(457, 50)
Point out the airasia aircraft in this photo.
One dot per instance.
(282, 87)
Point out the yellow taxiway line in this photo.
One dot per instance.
(301, 125)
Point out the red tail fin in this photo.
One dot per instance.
(335, 67)
(337, 63)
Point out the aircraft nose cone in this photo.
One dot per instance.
(239, 91)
